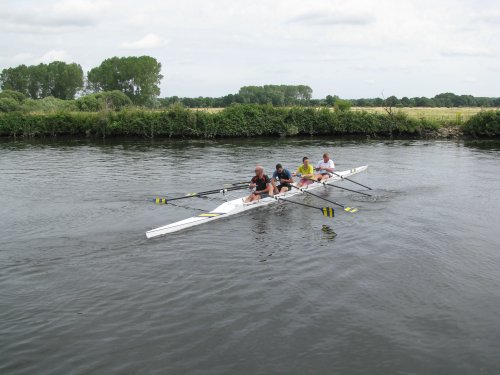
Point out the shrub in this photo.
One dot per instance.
(342, 105)
(113, 100)
(9, 105)
(17, 96)
(238, 120)
(483, 124)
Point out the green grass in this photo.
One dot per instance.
(443, 115)
(455, 116)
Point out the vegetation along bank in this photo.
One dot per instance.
(240, 120)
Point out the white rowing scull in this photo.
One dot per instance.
(237, 206)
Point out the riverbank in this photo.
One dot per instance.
(239, 121)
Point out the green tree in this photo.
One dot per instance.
(392, 101)
(330, 100)
(277, 95)
(65, 80)
(342, 105)
(57, 79)
(16, 79)
(136, 77)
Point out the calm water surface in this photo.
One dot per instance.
(408, 285)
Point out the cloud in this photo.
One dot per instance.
(38, 18)
(332, 19)
(490, 16)
(21, 58)
(466, 51)
(147, 42)
(54, 55)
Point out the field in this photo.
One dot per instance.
(442, 114)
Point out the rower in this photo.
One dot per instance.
(325, 167)
(306, 172)
(262, 185)
(285, 179)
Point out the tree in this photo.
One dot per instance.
(136, 77)
(342, 105)
(57, 79)
(392, 101)
(330, 100)
(64, 79)
(15, 79)
(277, 95)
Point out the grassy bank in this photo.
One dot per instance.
(442, 115)
(448, 116)
(234, 121)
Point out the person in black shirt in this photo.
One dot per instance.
(262, 185)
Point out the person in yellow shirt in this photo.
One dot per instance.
(306, 172)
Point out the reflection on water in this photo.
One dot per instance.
(483, 144)
(328, 233)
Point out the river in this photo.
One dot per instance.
(410, 284)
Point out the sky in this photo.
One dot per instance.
(353, 49)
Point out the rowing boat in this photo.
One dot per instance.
(237, 206)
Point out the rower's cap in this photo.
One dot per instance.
(278, 166)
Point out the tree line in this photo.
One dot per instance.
(136, 77)
(122, 81)
(270, 97)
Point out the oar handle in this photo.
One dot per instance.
(200, 194)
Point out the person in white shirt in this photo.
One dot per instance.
(325, 168)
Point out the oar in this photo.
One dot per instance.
(340, 187)
(160, 200)
(348, 179)
(236, 183)
(347, 209)
(327, 211)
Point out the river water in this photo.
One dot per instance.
(410, 284)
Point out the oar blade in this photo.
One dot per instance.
(161, 200)
(328, 211)
(351, 209)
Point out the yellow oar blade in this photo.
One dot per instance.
(160, 200)
(351, 209)
(328, 211)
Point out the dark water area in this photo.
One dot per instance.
(410, 284)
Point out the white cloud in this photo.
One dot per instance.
(53, 55)
(489, 16)
(467, 51)
(53, 16)
(323, 18)
(149, 41)
(19, 58)
(410, 47)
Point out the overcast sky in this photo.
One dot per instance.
(348, 48)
